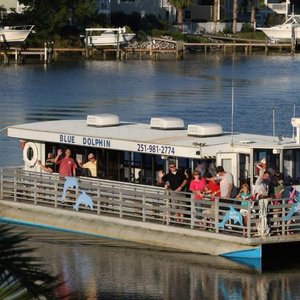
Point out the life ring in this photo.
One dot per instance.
(30, 154)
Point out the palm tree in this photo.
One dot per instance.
(23, 276)
(180, 5)
(253, 13)
(215, 15)
(234, 16)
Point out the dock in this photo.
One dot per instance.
(50, 53)
(145, 214)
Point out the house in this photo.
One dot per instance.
(10, 5)
(278, 6)
(160, 8)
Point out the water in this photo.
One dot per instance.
(198, 89)
(95, 268)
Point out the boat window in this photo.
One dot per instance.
(244, 173)
(291, 166)
(207, 167)
(265, 160)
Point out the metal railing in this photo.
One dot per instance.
(266, 217)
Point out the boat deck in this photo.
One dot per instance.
(269, 222)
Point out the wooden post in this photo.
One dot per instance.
(86, 45)
(118, 45)
(151, 48)
(45, 53)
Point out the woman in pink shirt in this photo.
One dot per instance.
(197, 185)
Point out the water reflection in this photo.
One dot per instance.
(99, 268)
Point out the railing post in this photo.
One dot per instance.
(217, 211)
(1, 183)
(15, 185)
(248, 229)
(55, 193)
(144, 206)
(168, 214)
(193, 210)
(34, 191)
(98, 202)
(283, 216)
(121, 202)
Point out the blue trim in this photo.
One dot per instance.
(248, 253)
(253, 263)
(31, 224)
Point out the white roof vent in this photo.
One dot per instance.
(166, 123)
(205, 129)
(102, 120)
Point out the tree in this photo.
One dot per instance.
(23, 276)
(234, 16)
(253, 13)
(180, 5)
(215, 15)
(62, 18)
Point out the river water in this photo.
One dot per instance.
(199, 89)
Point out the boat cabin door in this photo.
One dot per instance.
(235, 163)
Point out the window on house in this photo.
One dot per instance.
(187, 14)
(205, 2)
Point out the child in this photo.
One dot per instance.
(245, 195)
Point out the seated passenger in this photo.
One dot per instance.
(91, 165)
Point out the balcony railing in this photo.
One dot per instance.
(266, 217)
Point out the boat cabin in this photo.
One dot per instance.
(134, 152)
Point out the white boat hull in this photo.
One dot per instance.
(280, 33)
(14, 34)
(109, 39)
(285, 32)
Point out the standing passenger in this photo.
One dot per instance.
(67, 165)
(261, 187)
(174, 180)
(226, 182)
(91, 165)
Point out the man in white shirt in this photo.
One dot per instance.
(261, 187)
(226, 182)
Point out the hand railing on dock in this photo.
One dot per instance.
(263, 218)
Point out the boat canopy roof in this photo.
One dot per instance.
(142, 138)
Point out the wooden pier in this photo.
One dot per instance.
(49, 53)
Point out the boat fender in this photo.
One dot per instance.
(30, 154)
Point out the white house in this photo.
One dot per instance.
(12, 4)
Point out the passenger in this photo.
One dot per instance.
(91, 165)
(174, 180)
(67, 165)
(261, 187)
(226, 182)
(261, 167)
(212, 191)
(212, 188)
(189, 178)
(245, 195)
(197, 187)
(49, 166)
